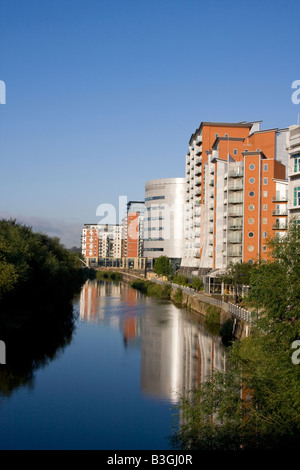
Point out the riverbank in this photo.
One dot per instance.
(212, 309)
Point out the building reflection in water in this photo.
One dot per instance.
(177, 353)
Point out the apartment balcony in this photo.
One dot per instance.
(199, 139)
(197, 224)
(211, 218)
(198, 150)
(188, 161)
(211, 205)
(212, 193)
(235, 226)
(236, 173)
(197, 234)
(226, 175)
(198, 213)
(198, 171)
(212, 170)
(188, 171)
(235, 187)
(210, 253)
(188, 180)
(237, 253)
(232, 213)
(212, 182)
(280, 226)
(235, 200)
(198, 161)
(211, 242)
(280, 213)
(198, 181)
(192, 166)
(197, 245)
(198, 192)
(187, 198)
(211, 230)
(280, 198)
(198, 202)
(235, 239)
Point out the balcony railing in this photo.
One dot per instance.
(235, 187)
(278, 213)
(235, 227)
(280, 198)
(198, 160)
(279, 226)
(235, 200)
(236, 174)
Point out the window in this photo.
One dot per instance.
(235, 152)
(265, 167)
(252, 180)
(217, 135)
(264, 248)
(251, 207)
(250, 221)
(250, 261)
(265, 221)
(297, 196)
(154, 198)
(265, 180)
(251, 194)
(250, 248)
(265, 207)
(264, 234)
(252, 166)
(226, 135)
(297, 163)
(250, 234)
(265, 193)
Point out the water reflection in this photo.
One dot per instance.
(177, 352)
(34, 336)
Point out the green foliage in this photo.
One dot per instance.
(34, 262)
(109, 275)
(276, 284)
(213, 314)
(239, 273)
(177, 298)
(181, 280)
(162, 266)
(152, 289)
(255, 402)
(197, 283)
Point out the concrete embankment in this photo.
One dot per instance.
(200, 303)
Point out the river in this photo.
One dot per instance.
(113, 380)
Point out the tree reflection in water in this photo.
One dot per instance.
(34, 336)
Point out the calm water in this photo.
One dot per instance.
(113, 383)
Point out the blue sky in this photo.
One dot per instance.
(103, 95)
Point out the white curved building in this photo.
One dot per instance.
(164, 229)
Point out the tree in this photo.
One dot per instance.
(255, 403)
(162, 266)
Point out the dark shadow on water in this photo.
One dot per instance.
(34, 335)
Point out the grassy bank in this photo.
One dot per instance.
(109, 275)
(152, 289)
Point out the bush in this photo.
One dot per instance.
(213, 314)
(197, 283)
(178, 296)
(181, 280)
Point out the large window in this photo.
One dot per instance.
(297, 163)
(297, 196)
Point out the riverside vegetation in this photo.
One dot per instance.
(38, 280)
(255, 402)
